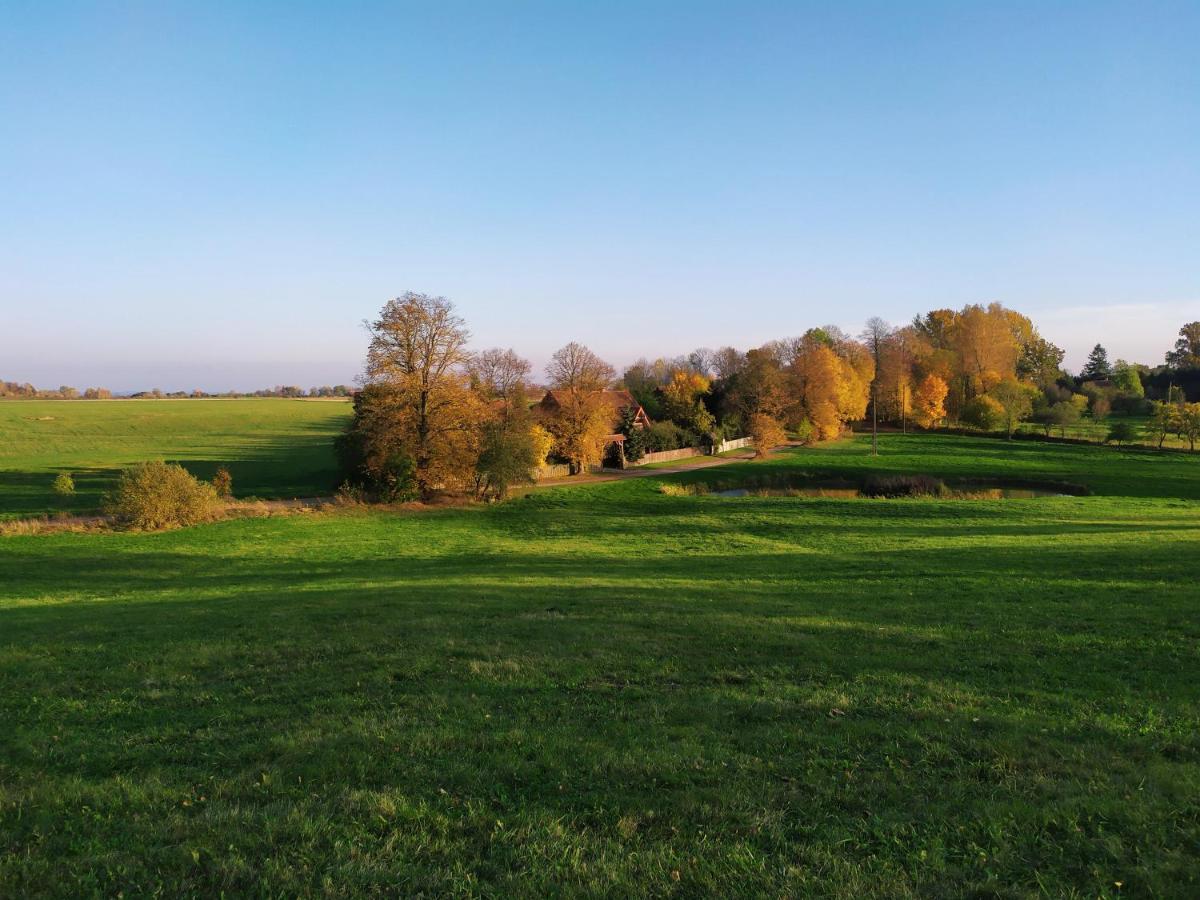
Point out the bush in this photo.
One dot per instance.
(222, 482)
(805, 433)
(903, 486)
(64, 485)
(155, 495)
(668, 436)
(983, 413)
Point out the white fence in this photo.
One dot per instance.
(734, 444)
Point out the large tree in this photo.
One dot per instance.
(1186, 354)
(499, 374)
(1097, 367)
(583, 418)
(422, 407)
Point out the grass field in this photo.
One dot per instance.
(604, 690)
(272, 447)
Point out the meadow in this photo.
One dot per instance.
(272, 447)
(604, 690)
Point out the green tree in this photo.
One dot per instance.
(1015, 401)
(64, 485)
(635, 436)
(1122, 432)
(1186, 354)
(1097, 367)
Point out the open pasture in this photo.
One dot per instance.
(601, 689)
(272, 447)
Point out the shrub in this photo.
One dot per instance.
(668, 436)
(984, 413)
(805, 433)
(222, 482)
(156, 495)
(903, 486)
(64, 485)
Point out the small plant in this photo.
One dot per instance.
(222, 482)
(64, 485)
(156, 495)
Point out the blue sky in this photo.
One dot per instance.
(216, 194)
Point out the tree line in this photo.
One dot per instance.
(432, 415)
(25, 391)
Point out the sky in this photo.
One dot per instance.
(216, 195)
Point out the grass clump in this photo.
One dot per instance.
(157, 495)
(894, 486)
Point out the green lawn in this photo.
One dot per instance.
(272, 447)
(602, 690)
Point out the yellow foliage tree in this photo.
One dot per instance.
(928, 404)
(766, 432)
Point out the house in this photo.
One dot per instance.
(617, 400)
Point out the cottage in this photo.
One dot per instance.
(617, 400)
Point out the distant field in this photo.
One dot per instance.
(604, 691)
(273, 447)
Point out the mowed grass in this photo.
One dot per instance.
(602, 690)
(272, 447)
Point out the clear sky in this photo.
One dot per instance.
(216, 194)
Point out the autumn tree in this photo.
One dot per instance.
(584, 419)
(766, 432)
(683, 404)
(929, 401)
(986, 346)
(417, 410)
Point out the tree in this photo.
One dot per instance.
(1097, 367)
(498, 374)
(1122, 432)
(1189, 423)
(508, 455)
(1186, 354)
(635, 437)
(1016, 402)
(583, 419)
(64, 484)
(222, 482)
(766, 432)
(929, 401)
(424, 409)
(683, 405)
(1164, 420)
(1040, 361)
(1127, 379)
(1061, 415)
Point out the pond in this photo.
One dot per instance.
(961, 492)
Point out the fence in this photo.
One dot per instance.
(666, 456)
(732, 444)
